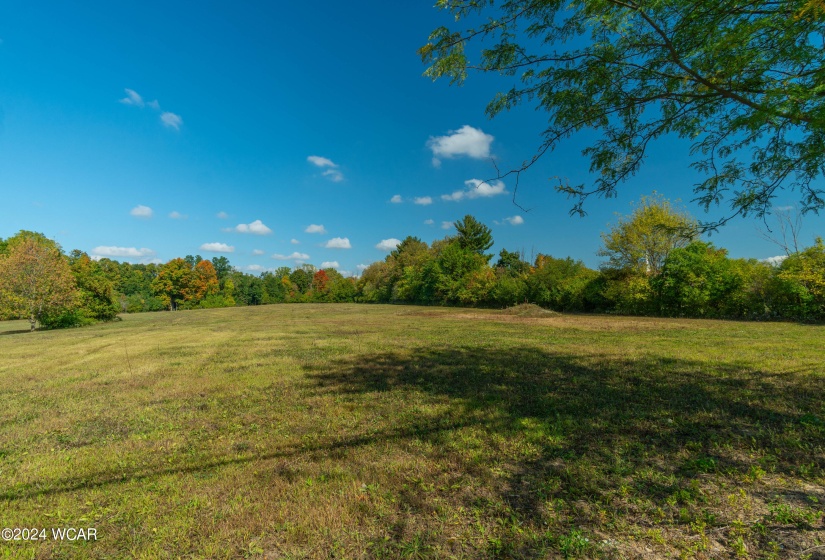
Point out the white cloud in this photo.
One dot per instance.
(294, 241)
(255, 268)
(222, 215)
(141, 211)
(456, 196)
(330, 264)
(296, 256)
(175, 215)
(257, 252)
(257, 227)
(171, 120)
(331, 171)
(447, 225)
(321, 161)
(315, 228)
(466, 141)
(334, 175)
(775, 260)
(476, 188)
(423, 200)
(338, 243)
(111, 251)
(166, 117)
(217, 248)
(396, 199)
(429, 222)
(388, 244)
(132, 98)
(514, 220)
(362, 267)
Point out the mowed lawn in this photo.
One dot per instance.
(366, 431)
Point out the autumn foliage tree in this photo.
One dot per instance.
(173, 283)
(180, 284)
(204, 282)
(320, 281)
(35, 280)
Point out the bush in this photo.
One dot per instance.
(214, 301)
(67, 319)
(627, 292)
(508, 290)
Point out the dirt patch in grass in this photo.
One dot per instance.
(529, 310)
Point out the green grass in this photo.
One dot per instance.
(346, 431)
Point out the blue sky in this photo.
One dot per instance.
(147, 131)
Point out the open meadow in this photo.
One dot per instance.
(377, 431)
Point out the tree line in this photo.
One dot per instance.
(41, 283)
(655, 265)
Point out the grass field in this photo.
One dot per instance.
(360, 431)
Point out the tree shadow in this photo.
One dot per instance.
(544, 440)
(596, 428)
(2, 333)
(107, 477)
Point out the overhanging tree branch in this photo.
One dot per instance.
(745, 80)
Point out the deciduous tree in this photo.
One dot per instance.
(319, 282)
(95, 290)
(173, 283)
(802, 277)
(35, 280)
(741, 80)
(695, 281)
(205, 281)
(222, 268)
(642, 241)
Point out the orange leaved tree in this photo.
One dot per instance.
(35, 281)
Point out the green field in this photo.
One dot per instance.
(359, 431)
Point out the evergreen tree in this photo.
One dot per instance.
(473, 235)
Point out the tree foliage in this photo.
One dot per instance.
(559, 283)
(222, 268)
(204, 282)
(696, 280)
(95, 290)
(473, 235)
(650, 273)
(802, 281)
(512, 262)
(35, 280)
(642, 241)
(174, 283)
(743, 81)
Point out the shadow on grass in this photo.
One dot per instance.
(109, 477)
(21, 331)
(599, 429)
(551, 441)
